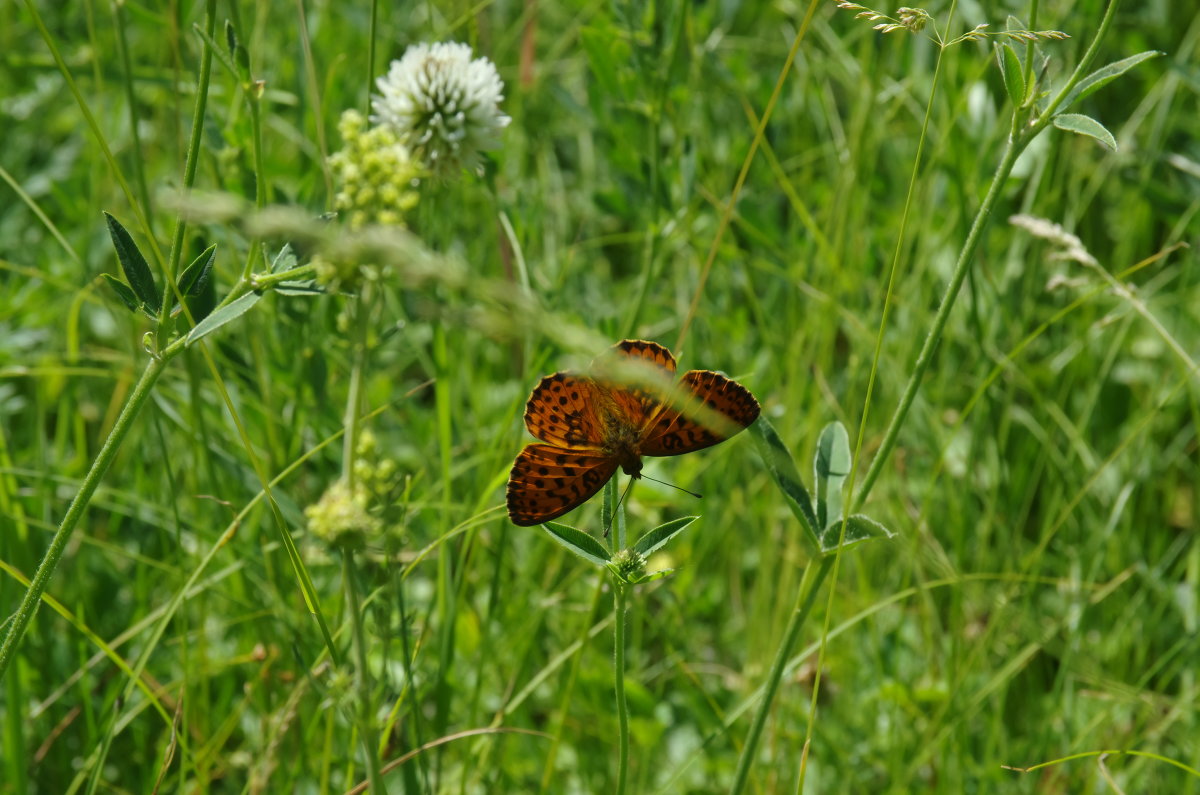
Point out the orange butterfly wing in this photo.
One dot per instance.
(707, 408)
(562, 412)
(548, 481)
(590, 422)
(636, 375)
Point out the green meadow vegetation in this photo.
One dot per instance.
(264, 358)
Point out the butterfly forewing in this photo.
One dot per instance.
(548, 481)
(562, 412)
(706, 409)
(637, 375)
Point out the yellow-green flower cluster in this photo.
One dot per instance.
(375, 175)
(375, 474)
(342, 518)
(353, 518)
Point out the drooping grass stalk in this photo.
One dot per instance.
(366, 714)
(620, 608)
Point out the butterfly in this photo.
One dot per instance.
(626, 406)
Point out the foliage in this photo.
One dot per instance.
(1038, 600)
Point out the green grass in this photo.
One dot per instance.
(1041, 597)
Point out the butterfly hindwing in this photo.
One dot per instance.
(548, 481)
(707, 408)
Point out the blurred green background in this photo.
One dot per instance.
(1040, 597)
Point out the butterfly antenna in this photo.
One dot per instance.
(613, 518)
(672, 485)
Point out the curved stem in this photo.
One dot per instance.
(810, 584)
(620, 607)
(58, 545)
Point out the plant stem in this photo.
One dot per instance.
(189, 171)
(620, 607)
(962, 266)
(359, 312)
(58, 545)
(1013, 148)
(366, 715)
(810, 584)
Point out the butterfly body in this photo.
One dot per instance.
(627, 406)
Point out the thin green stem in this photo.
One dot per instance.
(372, 34)
(620, 607)
(961, 267)
(366, 713)
(360, 311)
(896, 254)
(139, 174)
(1015, 145)
(810, 585)
(189, 167)
(1085, 63)
(41, 578)
(318, 113)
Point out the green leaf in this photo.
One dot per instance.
(195, 276)
(231, 40)
(656, 538)
(137, 272)
(222, 316)
(1105, 75)
(859, 528)
(307, 287)
(241, 57)
(782, 469)
(284, 260)
(122, 290)
(1011, 71)
(1085, 125)
(656, 575)
(831, 466)
(578, 542)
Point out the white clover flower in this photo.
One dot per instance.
(444, 106)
